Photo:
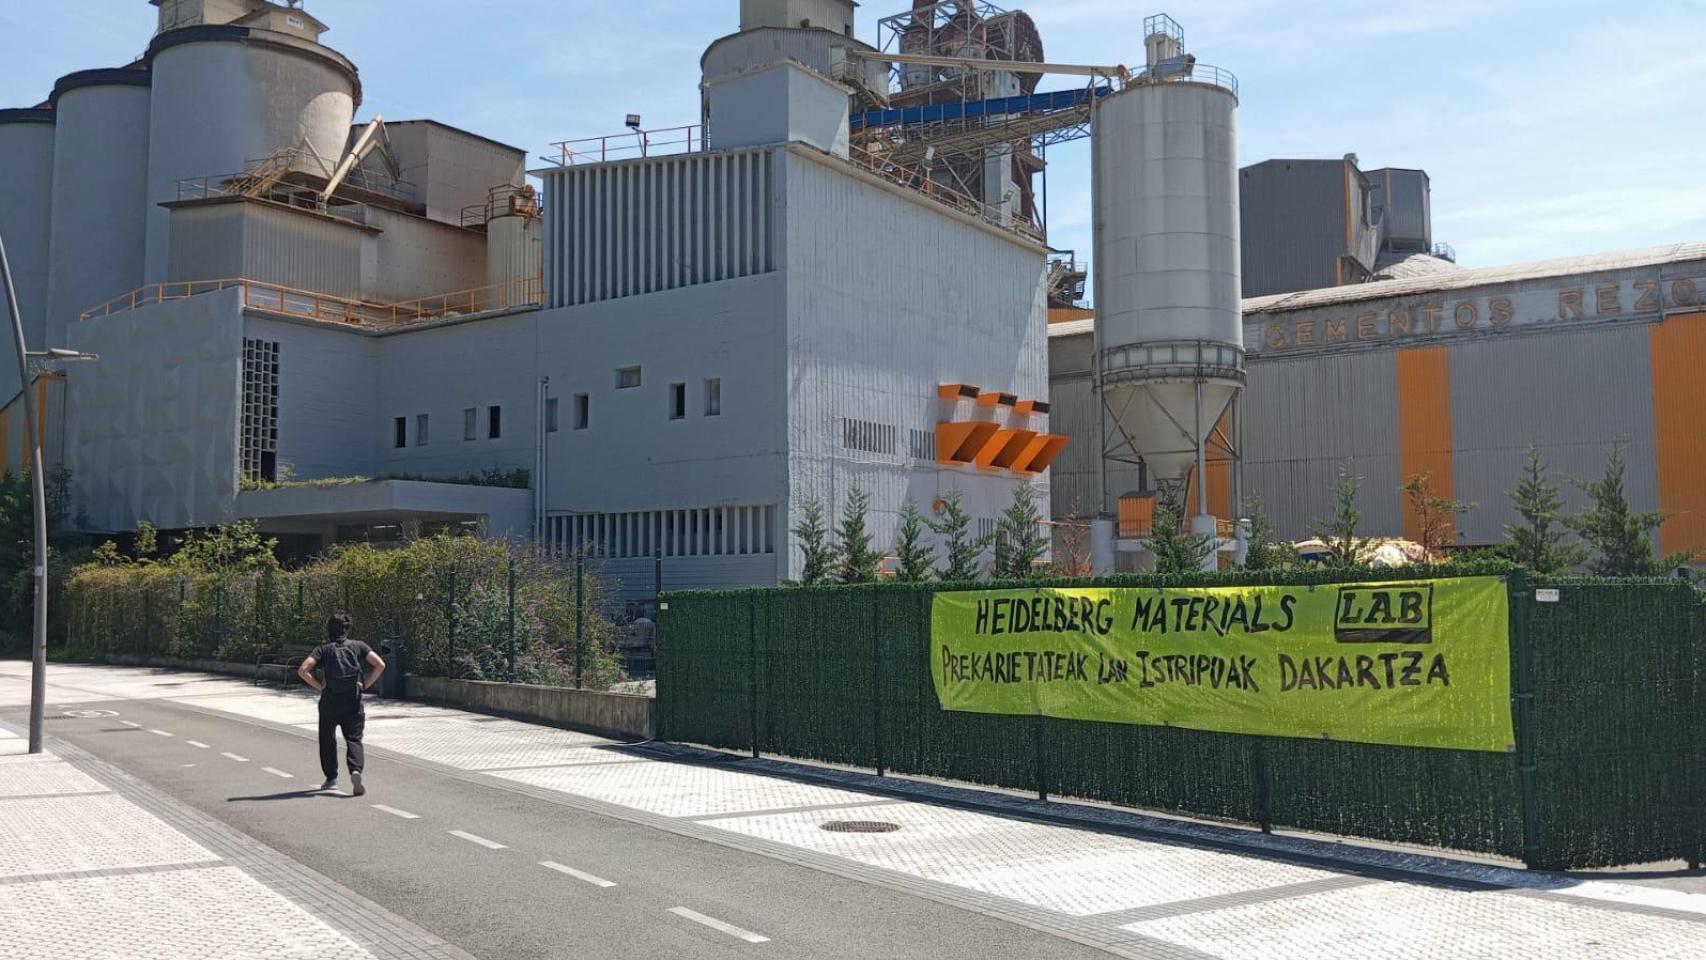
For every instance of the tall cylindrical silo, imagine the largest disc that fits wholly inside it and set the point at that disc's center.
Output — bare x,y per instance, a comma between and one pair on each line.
227,97
26,192
100,191
1169,339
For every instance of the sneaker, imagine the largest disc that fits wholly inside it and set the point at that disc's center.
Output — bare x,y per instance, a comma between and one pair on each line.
330,784
355,783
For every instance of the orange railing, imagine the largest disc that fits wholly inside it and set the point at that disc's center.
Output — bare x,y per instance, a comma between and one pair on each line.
291,302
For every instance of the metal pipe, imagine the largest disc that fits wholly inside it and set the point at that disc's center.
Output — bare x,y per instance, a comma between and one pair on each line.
1202,459
38,487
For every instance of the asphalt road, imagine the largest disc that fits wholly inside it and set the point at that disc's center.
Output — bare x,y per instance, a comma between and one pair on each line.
666,893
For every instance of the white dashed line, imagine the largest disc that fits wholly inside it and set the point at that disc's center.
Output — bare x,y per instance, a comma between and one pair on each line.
131,724
393,811
578,875
482,841
233,756
198,744
158,733
279,773
716,924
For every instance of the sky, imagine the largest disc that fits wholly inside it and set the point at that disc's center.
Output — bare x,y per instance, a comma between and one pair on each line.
1549,128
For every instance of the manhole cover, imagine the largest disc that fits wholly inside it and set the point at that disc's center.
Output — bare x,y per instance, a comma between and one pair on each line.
861,826
90,714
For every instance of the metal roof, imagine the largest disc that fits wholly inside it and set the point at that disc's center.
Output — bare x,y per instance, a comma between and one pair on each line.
1477,277
1412,266
1437,278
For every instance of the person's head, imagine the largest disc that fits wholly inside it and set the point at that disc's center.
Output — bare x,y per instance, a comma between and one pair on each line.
337,626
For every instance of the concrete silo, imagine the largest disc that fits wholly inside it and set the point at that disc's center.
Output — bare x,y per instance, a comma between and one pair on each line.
1169,347
100,191
226,98
26,193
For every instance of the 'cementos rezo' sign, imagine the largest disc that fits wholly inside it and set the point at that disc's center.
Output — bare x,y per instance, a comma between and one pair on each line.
1560,301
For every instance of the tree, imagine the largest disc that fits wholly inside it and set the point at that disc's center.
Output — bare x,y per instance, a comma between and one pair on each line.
1538,541
1019,542
1072,550
1436,516
915,556
1622,539
964,550
1339,532
1263,551
859,563
813,535
1176,548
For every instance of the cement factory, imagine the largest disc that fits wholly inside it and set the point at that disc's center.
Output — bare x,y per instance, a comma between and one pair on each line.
839,276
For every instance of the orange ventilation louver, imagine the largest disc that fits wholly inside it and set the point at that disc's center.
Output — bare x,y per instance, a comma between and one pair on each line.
955,392
997,399
1137,516
1039,453
959,442
1029,407
1003,448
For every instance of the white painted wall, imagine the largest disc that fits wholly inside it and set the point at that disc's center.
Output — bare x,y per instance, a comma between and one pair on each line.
328,392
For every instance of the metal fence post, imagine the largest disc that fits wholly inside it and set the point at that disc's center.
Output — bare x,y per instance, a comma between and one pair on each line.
877,677
512,618
450,627
752,665
657,582
1523,695
1040,762
218,616
1264,785
580,620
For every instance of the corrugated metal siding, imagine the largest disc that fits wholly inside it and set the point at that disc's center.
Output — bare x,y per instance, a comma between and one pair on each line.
263,241
1679,396
1424,425
421,258
625,229
1307,416
1292,222
1574,392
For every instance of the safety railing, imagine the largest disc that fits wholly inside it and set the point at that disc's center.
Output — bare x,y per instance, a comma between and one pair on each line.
923,182
307,304
628,146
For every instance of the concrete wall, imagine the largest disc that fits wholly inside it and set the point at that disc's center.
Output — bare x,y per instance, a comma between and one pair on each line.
875,327
328,396
415,258
621,715
152,432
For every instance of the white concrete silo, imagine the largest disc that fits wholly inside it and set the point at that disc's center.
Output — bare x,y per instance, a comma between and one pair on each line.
1169,345
227,97
100,191
26,192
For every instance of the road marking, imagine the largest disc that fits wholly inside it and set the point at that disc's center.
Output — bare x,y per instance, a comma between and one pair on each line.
233,756
578,875
393,811
716,924
158,733
279,773
131,724
482,841
198,744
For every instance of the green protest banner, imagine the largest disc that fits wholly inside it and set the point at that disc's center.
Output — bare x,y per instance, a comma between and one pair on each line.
1423,663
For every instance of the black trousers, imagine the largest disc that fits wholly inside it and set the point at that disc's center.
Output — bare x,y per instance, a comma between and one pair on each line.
347,713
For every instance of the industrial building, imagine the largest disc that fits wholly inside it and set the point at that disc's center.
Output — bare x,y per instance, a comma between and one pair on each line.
680,342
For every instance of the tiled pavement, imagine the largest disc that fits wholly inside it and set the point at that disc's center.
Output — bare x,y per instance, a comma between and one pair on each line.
92,870
1138,885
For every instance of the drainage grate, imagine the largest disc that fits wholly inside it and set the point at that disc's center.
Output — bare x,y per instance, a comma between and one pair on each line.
860,826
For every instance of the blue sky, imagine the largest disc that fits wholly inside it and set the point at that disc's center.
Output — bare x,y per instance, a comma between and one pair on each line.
1549,128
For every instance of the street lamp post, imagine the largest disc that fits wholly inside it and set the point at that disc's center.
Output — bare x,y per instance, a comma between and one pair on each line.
38,480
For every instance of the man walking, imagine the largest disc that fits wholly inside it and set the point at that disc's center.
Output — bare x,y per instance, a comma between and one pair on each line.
340,696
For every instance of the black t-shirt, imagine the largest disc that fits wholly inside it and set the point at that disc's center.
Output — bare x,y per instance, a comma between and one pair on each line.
344,663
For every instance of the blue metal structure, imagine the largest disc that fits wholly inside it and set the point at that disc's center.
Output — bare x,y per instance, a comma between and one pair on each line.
1029,105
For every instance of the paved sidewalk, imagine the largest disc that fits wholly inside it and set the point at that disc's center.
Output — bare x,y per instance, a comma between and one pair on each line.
90,868
1135,885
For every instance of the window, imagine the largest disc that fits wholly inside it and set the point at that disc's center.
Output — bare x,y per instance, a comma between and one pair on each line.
582,409
420,429
494,422
550,414
627,378
677,401
470,423
713,398
401,425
